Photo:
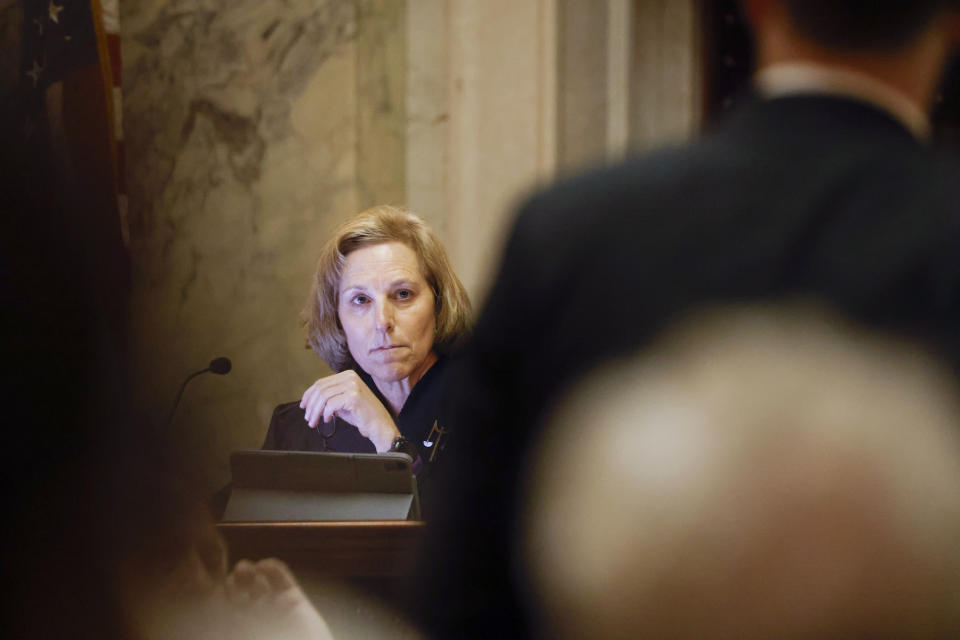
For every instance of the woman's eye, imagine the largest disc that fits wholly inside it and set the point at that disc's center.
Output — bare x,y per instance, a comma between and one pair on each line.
404,294
360,299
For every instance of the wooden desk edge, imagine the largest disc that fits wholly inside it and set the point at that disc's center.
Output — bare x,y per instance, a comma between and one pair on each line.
399,525
359,548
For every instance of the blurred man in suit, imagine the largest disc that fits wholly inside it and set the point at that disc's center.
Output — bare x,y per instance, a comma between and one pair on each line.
821,185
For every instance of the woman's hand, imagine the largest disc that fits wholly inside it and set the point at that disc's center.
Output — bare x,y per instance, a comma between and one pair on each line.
344,395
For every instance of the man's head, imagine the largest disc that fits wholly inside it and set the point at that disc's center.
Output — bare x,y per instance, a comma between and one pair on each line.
863,24
903,44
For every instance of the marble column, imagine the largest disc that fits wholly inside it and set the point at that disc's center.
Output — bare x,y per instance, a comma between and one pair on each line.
482,119
504,96
665,76
629,78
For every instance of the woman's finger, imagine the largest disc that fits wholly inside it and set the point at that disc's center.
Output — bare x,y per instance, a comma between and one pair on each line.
342,394
315,397
306,401
307,394
314,406
348,377
334,405
328,396
321,404
313,390
310,409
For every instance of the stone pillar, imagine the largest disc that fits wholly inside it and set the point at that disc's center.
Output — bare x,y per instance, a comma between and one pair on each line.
492,67
665,77
628,78
503,95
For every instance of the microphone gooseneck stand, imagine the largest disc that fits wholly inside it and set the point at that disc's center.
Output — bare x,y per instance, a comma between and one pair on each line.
220,366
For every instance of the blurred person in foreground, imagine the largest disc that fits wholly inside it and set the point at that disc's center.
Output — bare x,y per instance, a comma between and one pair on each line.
101,532
255,600
821,185
386,312
757,474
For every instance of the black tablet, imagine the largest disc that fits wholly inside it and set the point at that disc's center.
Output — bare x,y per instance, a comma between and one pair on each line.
301,486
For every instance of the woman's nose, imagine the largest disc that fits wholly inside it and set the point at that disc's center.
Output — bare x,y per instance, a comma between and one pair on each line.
384,316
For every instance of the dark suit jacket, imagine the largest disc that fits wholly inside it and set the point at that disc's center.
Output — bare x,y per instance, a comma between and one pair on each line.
810,195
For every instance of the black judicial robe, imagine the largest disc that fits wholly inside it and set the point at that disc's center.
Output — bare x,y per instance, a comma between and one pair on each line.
816,196
289,431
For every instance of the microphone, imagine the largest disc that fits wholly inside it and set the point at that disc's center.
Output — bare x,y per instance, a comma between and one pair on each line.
220,366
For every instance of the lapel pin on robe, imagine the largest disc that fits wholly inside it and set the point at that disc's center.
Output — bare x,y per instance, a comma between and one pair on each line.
433,439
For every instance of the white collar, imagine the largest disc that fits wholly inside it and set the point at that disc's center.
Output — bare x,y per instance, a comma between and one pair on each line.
802,77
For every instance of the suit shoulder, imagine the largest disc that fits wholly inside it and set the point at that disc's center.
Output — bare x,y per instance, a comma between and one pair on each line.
619,197
620,182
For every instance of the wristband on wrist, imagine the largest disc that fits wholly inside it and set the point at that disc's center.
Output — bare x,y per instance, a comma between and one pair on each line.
402,445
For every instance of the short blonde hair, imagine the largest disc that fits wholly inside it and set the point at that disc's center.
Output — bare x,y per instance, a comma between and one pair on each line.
377,225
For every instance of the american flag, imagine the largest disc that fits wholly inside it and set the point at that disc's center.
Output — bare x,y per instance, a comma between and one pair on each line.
70,105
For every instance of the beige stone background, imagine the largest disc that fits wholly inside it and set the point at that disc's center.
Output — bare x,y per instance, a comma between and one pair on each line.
253,127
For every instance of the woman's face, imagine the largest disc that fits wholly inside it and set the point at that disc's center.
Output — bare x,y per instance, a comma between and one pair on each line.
386,309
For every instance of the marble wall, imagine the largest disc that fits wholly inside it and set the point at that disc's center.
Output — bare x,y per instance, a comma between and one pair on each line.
253,127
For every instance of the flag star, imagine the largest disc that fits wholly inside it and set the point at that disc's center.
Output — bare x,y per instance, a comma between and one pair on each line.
35,73
54,11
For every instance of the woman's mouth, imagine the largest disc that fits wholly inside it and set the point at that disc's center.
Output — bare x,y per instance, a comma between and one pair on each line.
388,347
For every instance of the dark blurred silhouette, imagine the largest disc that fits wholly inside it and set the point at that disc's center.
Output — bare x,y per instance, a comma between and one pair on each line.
101,531
758,473
89,492
820,185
